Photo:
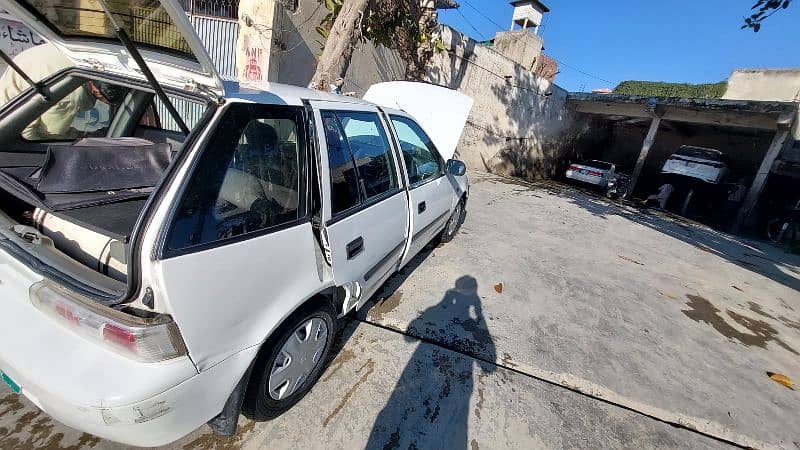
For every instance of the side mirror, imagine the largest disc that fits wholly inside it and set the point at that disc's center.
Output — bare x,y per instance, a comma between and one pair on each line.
456,167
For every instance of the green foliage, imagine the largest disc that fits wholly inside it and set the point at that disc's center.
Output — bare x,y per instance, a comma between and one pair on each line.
762,10
396,24
661,89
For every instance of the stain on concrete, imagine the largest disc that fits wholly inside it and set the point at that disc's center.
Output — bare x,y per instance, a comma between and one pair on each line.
669,296
217,442
789,323
479,403
473,444
625,258
370,366
385,306
35,429
701,310
341,359
756,308
12,404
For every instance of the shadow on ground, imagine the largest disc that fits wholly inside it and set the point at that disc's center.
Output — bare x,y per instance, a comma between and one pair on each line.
760,257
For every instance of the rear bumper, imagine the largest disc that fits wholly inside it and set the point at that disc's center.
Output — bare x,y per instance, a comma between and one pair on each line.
93,389
158,420
577,176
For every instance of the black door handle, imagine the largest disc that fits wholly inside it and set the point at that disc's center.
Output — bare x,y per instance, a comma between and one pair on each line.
355,247
421,207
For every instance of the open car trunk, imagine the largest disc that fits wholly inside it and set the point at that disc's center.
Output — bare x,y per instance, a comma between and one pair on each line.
90,194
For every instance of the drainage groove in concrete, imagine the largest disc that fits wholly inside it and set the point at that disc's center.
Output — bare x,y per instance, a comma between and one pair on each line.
596,392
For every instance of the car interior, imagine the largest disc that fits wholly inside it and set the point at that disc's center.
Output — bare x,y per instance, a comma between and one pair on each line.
84,183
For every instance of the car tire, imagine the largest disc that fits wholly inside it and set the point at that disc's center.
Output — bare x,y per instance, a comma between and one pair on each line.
454,223
296,342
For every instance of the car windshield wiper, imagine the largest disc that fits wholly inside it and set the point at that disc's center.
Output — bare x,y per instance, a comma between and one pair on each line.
131,47
37,86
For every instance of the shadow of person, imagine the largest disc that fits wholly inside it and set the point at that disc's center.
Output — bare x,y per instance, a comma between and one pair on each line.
430,404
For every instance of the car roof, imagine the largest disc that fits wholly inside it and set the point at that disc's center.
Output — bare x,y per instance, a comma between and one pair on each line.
705,149
282,94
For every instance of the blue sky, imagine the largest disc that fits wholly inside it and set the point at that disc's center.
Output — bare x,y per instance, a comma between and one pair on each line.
678,40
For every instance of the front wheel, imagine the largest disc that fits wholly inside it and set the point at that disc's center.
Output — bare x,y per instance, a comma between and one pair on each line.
454,224
777,229
293,360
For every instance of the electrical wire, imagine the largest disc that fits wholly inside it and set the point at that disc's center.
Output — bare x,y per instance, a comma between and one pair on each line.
458,10
501,28
484,15
584,72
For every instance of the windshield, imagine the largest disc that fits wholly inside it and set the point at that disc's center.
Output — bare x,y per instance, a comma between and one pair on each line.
145,21
599,164
699,152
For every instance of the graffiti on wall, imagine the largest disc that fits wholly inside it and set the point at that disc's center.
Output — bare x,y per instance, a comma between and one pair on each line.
16,37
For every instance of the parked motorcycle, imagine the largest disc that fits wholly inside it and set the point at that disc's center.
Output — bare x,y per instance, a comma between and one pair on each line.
618,186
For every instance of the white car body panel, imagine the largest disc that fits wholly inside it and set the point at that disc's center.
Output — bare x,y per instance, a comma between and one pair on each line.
579,175
231,297
112,57
695,168
383,227
440,111
225,300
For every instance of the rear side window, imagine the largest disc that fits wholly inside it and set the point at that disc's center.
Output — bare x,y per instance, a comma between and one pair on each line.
247,179
599,164
359,157
87,111
422,160
701,153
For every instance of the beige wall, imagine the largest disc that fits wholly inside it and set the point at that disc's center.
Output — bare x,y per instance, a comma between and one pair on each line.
781,85
519,123
522,46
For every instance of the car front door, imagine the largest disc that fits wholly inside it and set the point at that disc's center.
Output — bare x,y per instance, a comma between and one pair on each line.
365,212
431,193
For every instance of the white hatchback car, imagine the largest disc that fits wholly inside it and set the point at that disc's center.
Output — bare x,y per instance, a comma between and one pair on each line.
596,173
706,164
169,269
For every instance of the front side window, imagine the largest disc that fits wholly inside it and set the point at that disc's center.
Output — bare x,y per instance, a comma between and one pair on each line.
85,112
359,157
420,155
247,180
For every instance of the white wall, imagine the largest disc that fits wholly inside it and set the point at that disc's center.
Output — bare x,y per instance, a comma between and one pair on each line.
779,85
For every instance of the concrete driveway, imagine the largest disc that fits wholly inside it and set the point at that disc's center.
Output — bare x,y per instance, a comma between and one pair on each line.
555,319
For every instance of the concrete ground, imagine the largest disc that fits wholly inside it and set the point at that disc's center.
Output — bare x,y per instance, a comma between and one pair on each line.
555,319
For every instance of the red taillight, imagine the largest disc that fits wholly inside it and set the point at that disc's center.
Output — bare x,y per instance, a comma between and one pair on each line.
148,341
119,336
574,167
67,314
595,173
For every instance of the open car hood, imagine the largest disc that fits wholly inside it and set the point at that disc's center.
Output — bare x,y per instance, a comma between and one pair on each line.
442,112
160,30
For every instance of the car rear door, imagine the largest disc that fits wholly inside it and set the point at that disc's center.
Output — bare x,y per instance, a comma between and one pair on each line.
365,211
432,194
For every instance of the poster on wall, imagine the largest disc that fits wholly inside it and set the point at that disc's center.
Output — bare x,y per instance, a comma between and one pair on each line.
254,44
15,37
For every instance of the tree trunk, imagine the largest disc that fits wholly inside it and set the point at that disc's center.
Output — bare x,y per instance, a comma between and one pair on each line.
342,38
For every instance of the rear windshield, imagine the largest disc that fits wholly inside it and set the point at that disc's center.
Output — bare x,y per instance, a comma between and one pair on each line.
599,164
699,152
145,21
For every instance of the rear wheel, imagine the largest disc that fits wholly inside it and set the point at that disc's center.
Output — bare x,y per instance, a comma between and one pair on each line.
293,360
778,228
454,224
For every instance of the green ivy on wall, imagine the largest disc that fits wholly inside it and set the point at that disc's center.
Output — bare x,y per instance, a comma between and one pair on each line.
662,89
